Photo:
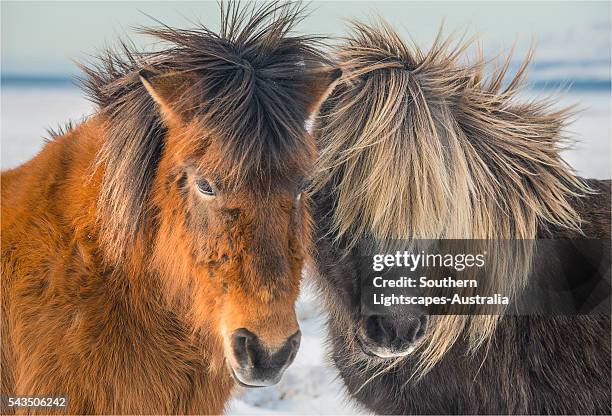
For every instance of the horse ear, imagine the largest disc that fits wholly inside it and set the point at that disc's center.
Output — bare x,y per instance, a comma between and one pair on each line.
165,89
321,87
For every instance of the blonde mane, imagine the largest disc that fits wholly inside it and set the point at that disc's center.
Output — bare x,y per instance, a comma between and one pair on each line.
424,145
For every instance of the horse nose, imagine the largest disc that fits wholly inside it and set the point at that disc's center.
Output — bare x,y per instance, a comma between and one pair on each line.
257,364
389,336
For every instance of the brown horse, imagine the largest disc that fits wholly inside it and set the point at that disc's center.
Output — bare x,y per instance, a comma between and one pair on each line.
154,251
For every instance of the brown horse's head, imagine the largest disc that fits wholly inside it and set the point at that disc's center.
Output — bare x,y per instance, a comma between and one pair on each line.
230,223
234,215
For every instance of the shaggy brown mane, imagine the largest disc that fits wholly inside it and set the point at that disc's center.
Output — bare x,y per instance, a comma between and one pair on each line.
251,93
422,145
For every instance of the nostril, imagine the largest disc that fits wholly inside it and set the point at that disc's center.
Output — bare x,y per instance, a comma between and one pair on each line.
387,327
286,354
243,332
251,350
379,329
414,328
245,345
241,345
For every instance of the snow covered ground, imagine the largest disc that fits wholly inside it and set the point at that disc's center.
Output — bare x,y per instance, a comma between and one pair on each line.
310,385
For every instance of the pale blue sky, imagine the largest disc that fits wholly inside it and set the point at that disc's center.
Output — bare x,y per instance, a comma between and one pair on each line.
43,37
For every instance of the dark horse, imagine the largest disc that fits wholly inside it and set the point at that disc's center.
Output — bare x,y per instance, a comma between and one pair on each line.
151,256
421,145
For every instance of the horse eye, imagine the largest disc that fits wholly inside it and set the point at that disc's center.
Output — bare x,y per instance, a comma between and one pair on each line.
205,188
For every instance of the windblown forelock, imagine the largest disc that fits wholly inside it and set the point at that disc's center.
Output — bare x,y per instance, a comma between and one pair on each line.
263,135
251,94
422,145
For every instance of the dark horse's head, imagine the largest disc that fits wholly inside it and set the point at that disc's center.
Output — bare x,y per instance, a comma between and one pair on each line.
205,160
422,145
